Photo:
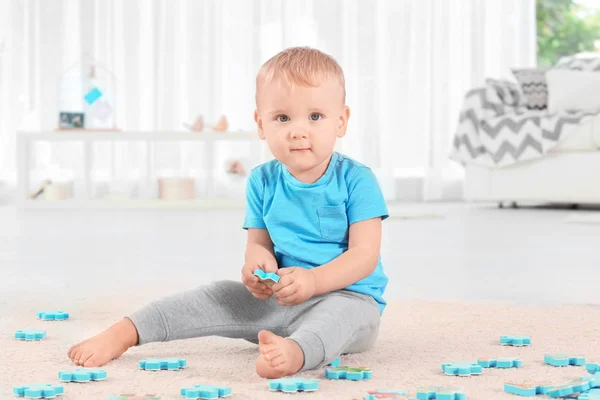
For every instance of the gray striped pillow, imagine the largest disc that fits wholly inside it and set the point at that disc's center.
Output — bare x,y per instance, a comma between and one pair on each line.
533,86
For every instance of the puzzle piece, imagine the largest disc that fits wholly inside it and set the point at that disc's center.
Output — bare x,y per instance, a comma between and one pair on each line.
592,368
593,394
53,315
500,362
30,334
461,368
130,396
92,95
206,392
348,373
39,391
156,364
291,385
82,375
510,340
527,388
386,394
563,360
268,278
440,393
569,388
335,363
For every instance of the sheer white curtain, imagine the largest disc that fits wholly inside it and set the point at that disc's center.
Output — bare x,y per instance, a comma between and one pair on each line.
407,64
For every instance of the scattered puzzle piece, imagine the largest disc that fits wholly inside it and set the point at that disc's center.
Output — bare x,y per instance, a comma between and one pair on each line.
593,394
30,334
592,368
53,315
348,373
386,394
563,360
461,368
206,392
291,385
156,364
440,393
569,388
130,396
268,278
500,362
594,379
335,363
510,340
39,391
527,388
82,375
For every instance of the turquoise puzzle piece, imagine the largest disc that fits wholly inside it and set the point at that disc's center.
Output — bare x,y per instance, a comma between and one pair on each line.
527,388
461,368
53,315
291,385
82,375
440,393
386,394
38,391
206,392
268,278
592,368
335,363
563,360
348,373
93,95
511,340
156,364
506,362
569,388
594,380
593,394
30,334
134,397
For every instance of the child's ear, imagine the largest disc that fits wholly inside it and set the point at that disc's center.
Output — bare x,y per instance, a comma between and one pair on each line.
343,122
259,125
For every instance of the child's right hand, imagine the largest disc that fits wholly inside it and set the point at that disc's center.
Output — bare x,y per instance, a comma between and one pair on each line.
251,281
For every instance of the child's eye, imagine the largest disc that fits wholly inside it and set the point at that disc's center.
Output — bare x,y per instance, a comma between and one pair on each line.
282,118
315,116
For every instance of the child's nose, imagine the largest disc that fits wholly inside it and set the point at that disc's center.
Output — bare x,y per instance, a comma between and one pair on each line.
298,134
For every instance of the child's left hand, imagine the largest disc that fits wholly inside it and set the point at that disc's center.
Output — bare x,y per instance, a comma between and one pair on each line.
296,285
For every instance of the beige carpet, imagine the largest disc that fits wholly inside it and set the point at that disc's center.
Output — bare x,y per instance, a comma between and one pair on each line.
416,337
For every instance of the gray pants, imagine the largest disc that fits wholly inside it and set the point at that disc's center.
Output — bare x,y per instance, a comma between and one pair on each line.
325,326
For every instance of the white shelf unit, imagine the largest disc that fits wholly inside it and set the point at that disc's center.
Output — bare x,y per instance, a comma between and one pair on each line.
25,140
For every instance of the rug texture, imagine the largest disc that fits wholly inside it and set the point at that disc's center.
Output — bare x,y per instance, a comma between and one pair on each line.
415,339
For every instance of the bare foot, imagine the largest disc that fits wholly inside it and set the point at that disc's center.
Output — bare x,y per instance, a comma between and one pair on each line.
108,345
278,356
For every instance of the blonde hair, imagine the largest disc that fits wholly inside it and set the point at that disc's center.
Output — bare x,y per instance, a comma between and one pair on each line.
301,66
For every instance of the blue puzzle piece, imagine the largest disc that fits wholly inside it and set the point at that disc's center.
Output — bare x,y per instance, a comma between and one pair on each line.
93,95
527,389
569,388
461,368
386,394
39,391
53,315
440,393
593,394
592,368
563,360
82,375
268,278
348,373
510,340
291,385
206,392
335,363
500,362
156,364
30,334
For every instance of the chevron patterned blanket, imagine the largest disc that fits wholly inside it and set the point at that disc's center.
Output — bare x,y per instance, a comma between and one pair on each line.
495,131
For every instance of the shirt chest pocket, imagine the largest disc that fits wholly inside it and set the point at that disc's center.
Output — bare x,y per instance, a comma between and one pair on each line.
333,222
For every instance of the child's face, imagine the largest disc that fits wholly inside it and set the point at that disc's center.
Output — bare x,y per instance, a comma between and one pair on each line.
301,123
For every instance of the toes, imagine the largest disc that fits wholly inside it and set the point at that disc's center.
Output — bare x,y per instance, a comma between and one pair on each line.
266,337
71,352
277,361
92,362
272,354
85,356
267,348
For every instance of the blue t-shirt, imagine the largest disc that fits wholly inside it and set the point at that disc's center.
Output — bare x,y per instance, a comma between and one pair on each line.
308,222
